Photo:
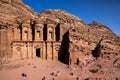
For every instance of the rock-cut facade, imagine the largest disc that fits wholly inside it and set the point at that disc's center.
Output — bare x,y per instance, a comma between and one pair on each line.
32,39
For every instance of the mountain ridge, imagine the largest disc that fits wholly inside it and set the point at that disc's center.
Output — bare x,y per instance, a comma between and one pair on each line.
93,47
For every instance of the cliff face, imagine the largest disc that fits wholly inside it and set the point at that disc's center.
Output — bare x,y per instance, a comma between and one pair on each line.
91,46
12,14
84,42
94,47
94,41
14,11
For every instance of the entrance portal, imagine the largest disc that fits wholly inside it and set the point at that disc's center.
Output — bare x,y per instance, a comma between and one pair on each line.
38,52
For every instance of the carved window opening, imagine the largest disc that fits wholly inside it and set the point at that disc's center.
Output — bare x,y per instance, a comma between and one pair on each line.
50,34
57,32
45,32
38,34
26,34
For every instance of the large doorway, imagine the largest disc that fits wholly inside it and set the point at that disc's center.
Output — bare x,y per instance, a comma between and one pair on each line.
38,52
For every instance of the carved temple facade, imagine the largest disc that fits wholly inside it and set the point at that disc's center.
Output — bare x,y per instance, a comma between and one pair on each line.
34,39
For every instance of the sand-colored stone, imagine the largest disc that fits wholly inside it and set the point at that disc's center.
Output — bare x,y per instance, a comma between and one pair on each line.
55,35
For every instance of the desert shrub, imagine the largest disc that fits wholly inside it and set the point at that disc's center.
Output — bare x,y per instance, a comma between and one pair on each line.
1,67
2,62
93,70
13,66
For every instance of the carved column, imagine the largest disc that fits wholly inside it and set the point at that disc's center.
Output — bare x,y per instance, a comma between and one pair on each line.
46,54
32,51
18,35
15,34
54,35
22,33
50,51
61,32
43,50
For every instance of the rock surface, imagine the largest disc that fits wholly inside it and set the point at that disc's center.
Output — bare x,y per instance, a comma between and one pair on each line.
93,47
14,11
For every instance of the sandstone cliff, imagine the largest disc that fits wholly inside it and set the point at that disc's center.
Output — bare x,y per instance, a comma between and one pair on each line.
14,11
84,39
86,45
12,14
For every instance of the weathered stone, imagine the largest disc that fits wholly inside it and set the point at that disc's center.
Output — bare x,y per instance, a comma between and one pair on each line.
53,35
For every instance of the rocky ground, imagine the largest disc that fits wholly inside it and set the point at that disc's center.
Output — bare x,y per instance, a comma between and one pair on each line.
37,69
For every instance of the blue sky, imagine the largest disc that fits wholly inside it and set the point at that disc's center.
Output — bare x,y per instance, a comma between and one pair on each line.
106,12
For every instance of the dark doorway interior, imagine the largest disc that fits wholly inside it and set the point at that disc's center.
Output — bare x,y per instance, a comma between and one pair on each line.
38,52
57,32
96,52
63,54
45,32
33,32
